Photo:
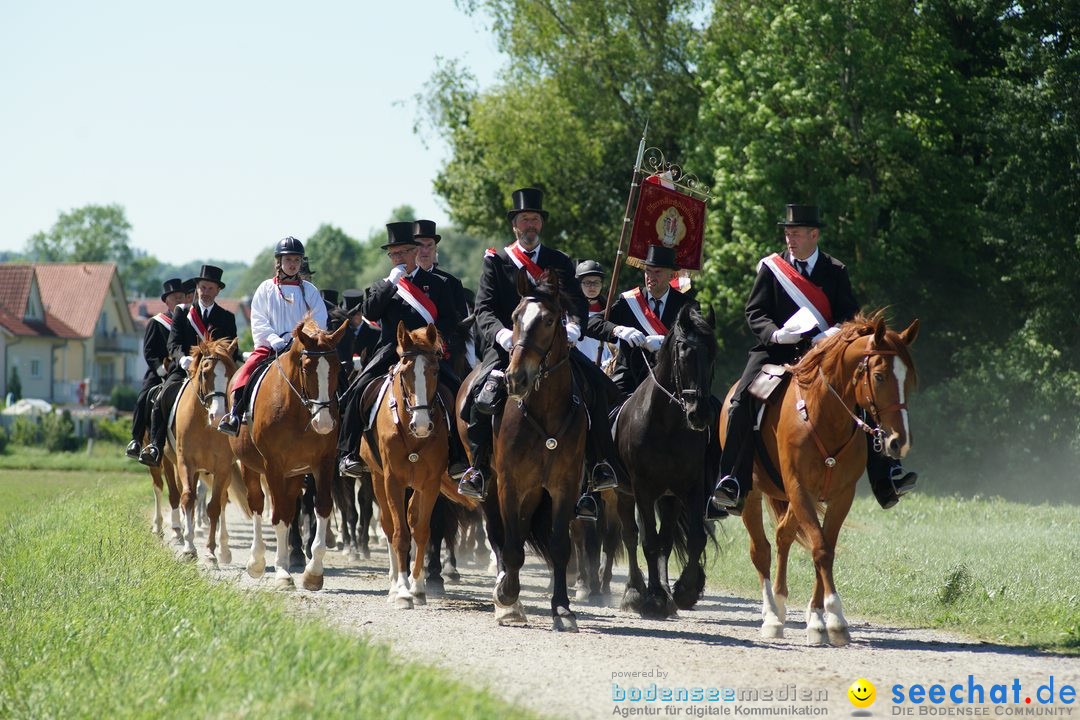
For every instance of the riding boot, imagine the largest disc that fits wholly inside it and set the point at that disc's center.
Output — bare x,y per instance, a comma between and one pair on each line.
479,435
352,429
887,477
736,460
712,465
230,423
143,407
457,460
151,454
608,471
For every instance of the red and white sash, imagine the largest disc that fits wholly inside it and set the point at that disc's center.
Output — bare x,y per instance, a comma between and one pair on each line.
196,322
522,261
805,293
416,298
680,283
164,320
648,320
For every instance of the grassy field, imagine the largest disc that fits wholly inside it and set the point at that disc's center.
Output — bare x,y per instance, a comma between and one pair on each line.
104,458
997,570
98,619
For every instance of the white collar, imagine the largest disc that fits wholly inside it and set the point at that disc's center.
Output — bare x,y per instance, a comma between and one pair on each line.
535,251
203,309
810,261
662,298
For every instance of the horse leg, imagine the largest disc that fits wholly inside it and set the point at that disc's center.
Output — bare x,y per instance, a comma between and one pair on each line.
806,513
437,526
365,514
169,471
224,553
189,480
450,537
668,513
283,503
658,604
400,540
323,505
835,514
297,557
200,506
155,477
577,541
691,583
634,595
611,539
423,501
772,623
510,549
562,511
787,528
214,511
256,564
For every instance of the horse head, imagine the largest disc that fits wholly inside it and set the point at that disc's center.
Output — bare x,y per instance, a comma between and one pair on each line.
883,380
539,335
315,354
418,375
211,367
686,361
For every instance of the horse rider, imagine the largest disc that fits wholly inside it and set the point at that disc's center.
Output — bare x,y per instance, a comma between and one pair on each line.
278,305
408,294
807,281
590,275
189,292
155,352
365,333
496,299
203,319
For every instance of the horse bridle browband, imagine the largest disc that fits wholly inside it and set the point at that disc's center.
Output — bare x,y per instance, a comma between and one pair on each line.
683,395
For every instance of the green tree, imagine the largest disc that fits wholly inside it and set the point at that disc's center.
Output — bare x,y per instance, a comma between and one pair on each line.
94,233
334,257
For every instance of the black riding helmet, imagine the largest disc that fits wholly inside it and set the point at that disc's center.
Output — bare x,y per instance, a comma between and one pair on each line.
588,267
288,246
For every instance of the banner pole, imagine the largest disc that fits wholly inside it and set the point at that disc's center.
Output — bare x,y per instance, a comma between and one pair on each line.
634,180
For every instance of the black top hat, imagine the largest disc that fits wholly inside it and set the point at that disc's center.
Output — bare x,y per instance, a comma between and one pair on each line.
351,300
330,296
588,267
425,229
188,286
399,233
801,216
305,269
662,257
170,286
528,200
211,273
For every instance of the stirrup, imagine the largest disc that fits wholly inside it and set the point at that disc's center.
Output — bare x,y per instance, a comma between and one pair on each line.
586,508
603,477
352,466
150,456
230,425
473,484
133,449
903,482
726,493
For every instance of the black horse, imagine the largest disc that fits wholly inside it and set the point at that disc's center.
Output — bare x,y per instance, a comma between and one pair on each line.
662,436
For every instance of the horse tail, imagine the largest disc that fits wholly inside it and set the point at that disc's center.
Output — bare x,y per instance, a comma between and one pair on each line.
677,514
449,490
237,488
777,509
539,537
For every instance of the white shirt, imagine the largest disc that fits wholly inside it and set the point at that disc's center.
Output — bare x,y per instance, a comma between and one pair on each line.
652,303
810,262
273,318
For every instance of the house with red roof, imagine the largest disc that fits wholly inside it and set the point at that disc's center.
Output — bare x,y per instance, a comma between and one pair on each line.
66,330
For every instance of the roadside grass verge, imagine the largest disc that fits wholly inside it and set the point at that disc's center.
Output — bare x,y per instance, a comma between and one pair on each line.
997,570
104,458
99,619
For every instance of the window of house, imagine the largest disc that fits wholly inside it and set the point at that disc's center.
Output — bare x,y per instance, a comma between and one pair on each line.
35,368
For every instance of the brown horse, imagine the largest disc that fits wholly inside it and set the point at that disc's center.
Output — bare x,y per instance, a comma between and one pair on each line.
814,439
166,470
411,429
539,444
293,431
200,448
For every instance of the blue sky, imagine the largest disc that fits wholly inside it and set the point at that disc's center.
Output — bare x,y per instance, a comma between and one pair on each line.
221,127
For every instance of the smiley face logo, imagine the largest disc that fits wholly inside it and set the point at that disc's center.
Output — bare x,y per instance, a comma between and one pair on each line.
862,693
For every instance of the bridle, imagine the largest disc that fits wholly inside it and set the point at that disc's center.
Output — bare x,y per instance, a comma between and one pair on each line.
682,396
313,406
544,370
207,399
411,410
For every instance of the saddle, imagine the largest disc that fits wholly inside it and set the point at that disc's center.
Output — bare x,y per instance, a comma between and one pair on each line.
768,386
251,389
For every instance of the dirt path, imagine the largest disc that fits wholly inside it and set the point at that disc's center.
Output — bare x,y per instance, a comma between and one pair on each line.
716,645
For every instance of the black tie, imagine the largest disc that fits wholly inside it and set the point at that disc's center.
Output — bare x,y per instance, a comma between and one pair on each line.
532,255
205,317
656,306
801,264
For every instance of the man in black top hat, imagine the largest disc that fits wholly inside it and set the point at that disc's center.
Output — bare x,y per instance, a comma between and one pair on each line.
427,257
204,319
155,352
496,299
365,333
806,281
411,295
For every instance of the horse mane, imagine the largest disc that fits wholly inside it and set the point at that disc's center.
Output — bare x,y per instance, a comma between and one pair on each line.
828,355
551,289
691,320
219,348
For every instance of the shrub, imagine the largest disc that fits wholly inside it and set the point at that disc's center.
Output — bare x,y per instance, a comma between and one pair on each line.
123,397
114,431
3,440
15,385
26,432
58,432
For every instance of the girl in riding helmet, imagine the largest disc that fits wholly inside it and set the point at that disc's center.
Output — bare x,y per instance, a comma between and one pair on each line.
277,306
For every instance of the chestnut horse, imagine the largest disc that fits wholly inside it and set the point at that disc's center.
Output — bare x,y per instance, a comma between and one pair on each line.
412,433
292,432
814,439
539,451
200,448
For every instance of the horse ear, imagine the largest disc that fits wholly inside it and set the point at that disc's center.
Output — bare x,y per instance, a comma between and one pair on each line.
555,279
522,283
431,334
912,332
335,337
300,335
231,349
403,339
879,330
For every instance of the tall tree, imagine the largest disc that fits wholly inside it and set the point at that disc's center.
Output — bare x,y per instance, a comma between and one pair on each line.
94,233
334,256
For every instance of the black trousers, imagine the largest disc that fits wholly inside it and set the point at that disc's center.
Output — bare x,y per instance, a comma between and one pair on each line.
159,421
143,407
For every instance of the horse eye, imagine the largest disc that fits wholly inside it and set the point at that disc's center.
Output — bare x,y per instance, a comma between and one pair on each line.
880,377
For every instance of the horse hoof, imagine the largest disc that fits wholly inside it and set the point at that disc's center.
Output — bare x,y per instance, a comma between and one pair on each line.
189,554
403,603
297,560
772,631
354,557
685,598
178,536
225,557
284,582
366,553
212,561
658,607
631,601
815,636
420,599
839,637
436,587
255,569
581,595
511,616
312,581
564,621
452,575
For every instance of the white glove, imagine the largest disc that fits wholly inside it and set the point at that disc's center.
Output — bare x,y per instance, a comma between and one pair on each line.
185,362
277,344
573,332
631,336
829,332
396,273
357,363
161,370
653,342
505,338
783,337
